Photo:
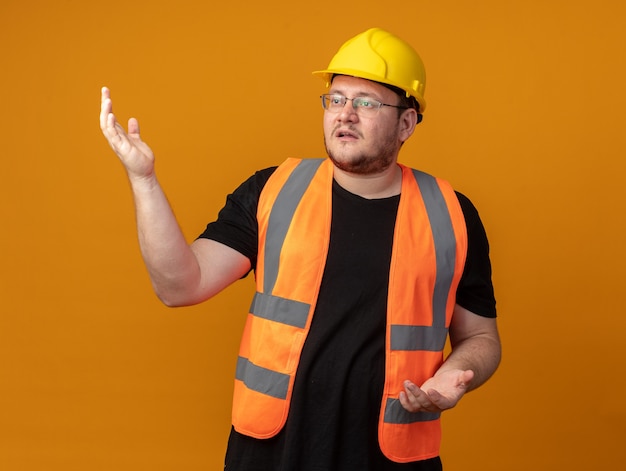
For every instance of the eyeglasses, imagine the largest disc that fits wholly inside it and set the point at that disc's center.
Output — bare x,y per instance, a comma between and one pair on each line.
363,106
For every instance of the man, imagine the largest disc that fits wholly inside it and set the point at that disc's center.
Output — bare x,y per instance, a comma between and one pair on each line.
363,267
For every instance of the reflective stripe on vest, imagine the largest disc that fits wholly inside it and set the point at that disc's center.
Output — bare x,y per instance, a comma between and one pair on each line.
427,261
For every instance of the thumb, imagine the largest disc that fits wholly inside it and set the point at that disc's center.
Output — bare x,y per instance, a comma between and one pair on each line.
465,378
133,127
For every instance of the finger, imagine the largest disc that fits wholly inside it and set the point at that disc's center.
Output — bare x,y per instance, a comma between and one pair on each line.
115,134
408,402
415,398
105,93
437,398
106,108
412,389
442,402
404,401
411,404
133,127
111,127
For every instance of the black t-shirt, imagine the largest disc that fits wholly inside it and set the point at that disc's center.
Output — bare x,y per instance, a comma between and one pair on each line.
333,417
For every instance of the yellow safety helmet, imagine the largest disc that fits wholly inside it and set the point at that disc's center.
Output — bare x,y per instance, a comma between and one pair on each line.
381,57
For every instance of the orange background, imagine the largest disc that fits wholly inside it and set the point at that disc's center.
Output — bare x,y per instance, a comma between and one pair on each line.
525,115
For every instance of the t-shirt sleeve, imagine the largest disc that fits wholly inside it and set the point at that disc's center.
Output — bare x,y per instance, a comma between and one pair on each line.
475,292
236,225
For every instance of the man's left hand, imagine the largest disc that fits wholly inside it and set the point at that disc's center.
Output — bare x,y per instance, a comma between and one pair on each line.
442,391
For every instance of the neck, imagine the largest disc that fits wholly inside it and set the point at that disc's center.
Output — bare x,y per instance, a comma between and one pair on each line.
380,185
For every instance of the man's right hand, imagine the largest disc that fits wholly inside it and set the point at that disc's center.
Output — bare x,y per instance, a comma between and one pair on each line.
135,154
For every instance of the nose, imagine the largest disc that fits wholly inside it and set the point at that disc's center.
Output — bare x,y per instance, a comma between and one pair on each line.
348,113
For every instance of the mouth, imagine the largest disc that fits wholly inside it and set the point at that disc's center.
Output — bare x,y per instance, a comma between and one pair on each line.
346,134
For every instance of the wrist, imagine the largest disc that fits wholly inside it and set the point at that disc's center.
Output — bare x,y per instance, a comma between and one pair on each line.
143,183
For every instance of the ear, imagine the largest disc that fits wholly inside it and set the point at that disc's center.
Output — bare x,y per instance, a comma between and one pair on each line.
408,120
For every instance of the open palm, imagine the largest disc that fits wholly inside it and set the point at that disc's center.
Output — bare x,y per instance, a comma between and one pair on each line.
136,155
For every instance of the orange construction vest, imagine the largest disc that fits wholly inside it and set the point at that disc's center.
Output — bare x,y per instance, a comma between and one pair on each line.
428,256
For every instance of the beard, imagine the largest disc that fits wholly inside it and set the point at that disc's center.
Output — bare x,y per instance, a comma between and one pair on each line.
367,162
361,164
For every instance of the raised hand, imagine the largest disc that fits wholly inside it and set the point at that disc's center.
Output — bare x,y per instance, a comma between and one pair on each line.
135,154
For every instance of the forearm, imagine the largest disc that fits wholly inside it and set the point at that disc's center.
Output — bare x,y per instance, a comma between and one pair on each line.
171,264
475,346
480,354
